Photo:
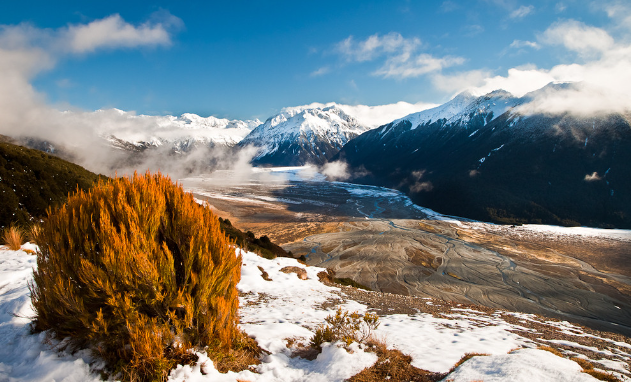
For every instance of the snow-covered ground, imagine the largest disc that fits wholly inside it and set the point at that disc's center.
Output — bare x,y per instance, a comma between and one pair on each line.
287,307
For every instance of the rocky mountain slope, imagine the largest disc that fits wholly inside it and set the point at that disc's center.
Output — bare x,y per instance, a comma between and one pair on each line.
296,137
487,158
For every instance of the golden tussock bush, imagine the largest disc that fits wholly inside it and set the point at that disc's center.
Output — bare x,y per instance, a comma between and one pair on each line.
13,237
346,327
135,270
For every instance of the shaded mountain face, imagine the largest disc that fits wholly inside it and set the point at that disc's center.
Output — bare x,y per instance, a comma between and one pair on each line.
480,158
298,137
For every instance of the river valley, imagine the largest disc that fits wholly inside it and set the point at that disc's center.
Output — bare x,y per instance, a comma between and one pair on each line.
379,238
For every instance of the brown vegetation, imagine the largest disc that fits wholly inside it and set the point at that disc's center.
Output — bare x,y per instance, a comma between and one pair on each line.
13,237
346,327
139,273
392,365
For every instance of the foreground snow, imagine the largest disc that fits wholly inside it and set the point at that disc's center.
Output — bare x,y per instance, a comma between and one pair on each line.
287,307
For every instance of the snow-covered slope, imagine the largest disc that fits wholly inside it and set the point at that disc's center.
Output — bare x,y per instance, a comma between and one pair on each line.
287,307
461,110
296,137
129,131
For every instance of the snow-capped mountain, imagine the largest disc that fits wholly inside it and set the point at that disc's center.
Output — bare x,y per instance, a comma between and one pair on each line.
296,137
139,132
497,158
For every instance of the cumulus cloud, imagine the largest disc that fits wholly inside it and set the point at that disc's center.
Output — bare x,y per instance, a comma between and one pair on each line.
114,32
578,37
402,59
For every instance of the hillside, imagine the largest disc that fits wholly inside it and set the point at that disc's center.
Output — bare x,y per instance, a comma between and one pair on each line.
482,158
31,180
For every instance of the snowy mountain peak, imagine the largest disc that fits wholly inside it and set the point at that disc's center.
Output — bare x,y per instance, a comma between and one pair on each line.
461,108
313,134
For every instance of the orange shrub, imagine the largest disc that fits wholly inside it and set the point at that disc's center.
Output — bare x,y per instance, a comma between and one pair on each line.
138,272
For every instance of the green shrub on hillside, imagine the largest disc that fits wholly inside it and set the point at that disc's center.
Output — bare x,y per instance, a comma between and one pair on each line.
139,273
31,181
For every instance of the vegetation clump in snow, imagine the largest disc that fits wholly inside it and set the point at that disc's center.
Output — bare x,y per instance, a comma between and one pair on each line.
13,237
138,272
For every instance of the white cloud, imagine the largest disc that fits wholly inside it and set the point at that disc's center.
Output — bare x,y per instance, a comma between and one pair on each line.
521,12
321,71
405,66
524,44
620,11
578,37
402,61
114,32
473,30
560,7
335,171
376,46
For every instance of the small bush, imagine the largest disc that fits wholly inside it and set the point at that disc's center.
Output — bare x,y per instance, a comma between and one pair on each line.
346,327
13,237
139,273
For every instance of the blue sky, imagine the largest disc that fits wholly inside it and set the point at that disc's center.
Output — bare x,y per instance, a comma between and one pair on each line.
241,60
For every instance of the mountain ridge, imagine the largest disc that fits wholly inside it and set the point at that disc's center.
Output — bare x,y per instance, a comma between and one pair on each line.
509,168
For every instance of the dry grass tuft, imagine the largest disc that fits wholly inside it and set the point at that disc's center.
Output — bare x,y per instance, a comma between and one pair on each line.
588,368
601,375
551,350
392,365
13,237
242,356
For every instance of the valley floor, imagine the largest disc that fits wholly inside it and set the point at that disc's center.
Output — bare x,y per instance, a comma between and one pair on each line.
380,239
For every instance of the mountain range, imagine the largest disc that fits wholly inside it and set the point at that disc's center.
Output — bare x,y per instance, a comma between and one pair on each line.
495,159
182,134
